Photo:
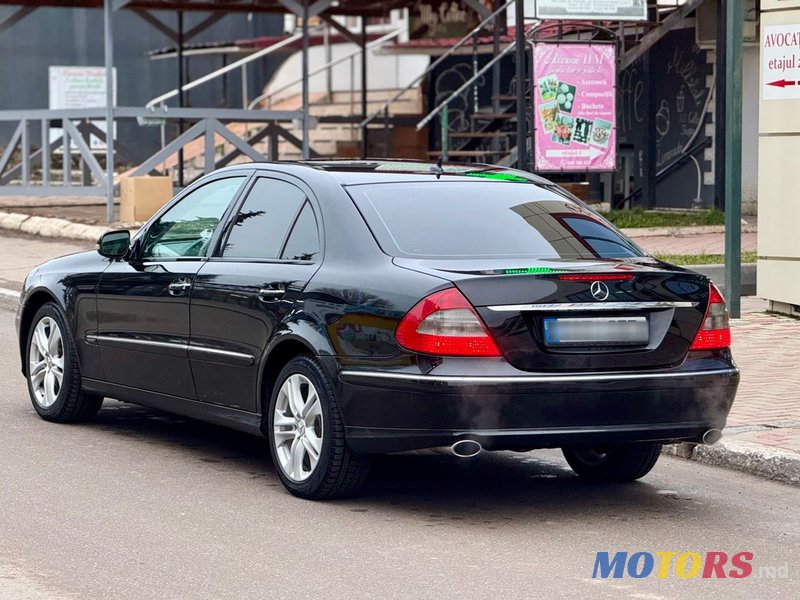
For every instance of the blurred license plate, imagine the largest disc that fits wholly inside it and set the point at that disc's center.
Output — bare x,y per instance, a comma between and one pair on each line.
606,331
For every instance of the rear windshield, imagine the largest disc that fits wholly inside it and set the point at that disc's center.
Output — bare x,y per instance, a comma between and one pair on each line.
446,219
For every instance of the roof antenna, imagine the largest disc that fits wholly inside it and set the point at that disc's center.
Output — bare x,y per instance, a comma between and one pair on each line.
437,168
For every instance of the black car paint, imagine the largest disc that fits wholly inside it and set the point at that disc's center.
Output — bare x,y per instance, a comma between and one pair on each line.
345,314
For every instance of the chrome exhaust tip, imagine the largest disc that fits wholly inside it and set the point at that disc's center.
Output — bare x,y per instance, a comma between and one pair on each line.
712,436
466,448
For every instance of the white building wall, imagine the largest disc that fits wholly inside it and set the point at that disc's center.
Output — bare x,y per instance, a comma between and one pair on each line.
383,71
750,66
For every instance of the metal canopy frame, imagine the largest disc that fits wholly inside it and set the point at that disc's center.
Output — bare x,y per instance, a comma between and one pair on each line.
353,8
305,9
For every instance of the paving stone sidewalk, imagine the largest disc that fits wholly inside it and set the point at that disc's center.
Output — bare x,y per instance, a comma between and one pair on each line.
762,436
767,349
703,243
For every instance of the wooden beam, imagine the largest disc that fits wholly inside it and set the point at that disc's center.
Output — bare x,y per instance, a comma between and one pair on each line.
158,24
479,7
203,25
353,37
673,21
297,7
15,17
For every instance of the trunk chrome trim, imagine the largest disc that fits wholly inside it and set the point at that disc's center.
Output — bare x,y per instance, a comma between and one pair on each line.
565,378
589,306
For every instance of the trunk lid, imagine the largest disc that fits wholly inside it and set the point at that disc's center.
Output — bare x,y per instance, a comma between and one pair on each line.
647,320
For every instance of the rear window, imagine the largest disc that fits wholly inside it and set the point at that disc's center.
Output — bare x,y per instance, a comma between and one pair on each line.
447,219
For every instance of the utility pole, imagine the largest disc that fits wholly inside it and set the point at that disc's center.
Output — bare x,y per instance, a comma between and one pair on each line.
305,149
181,181
734,15
108,39
521,76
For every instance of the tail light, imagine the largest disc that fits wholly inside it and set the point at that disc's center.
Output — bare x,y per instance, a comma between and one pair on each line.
715,333
446,324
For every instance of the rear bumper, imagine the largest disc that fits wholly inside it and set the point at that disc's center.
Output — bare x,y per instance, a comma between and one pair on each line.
387,411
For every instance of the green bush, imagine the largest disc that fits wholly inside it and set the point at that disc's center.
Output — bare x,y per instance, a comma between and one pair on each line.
653,218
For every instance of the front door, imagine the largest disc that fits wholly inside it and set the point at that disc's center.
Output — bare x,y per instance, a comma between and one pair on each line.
242,293
143,303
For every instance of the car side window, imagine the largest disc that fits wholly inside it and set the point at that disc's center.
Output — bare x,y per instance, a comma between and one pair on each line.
186,229
303,242
263,222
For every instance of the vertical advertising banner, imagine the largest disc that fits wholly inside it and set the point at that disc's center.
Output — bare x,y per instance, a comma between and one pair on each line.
574,100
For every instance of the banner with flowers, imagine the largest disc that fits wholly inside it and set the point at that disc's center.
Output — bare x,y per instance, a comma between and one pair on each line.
575,107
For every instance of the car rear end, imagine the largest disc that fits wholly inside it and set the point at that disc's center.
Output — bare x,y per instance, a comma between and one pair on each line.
544,327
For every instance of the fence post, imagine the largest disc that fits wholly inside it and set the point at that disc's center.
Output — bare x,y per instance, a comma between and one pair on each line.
66,156
86,174
445,133
209,152
26,152
45,153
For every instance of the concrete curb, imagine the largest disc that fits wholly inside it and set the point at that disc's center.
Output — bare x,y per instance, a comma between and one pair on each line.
50,227
62,228
637,232
755,459
9,298
716,273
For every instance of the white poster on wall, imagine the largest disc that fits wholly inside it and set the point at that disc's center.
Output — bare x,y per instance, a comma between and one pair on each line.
79,87
613,10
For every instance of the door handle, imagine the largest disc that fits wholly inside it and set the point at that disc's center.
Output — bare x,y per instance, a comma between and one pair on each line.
271,293
179,287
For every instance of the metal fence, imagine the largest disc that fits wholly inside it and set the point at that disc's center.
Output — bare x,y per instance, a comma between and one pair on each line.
44,139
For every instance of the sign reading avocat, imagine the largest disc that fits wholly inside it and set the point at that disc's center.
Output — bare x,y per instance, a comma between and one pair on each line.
780,62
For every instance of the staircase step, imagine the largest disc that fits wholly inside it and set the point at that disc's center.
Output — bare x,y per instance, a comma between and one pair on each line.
491,116
481,134
505,98
466,153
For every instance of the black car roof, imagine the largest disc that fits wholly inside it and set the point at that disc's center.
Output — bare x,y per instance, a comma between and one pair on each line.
355,171
350,172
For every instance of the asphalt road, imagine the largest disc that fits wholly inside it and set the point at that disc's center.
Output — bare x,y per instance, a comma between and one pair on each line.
143,505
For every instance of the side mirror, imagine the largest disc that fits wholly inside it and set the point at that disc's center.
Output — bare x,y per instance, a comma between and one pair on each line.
114,244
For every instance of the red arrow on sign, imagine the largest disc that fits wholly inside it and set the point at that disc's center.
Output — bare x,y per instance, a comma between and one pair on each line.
781,83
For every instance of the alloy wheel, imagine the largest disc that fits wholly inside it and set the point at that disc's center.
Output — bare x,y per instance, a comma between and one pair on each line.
46,362
298,427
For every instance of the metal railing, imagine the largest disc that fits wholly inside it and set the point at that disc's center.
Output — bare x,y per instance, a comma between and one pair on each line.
242,62
474,32
373,44
466,85
30,163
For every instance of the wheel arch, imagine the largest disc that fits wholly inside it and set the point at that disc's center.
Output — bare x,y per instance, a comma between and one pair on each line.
297,338
35,300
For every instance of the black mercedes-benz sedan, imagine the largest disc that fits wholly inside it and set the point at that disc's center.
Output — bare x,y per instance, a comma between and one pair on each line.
348,308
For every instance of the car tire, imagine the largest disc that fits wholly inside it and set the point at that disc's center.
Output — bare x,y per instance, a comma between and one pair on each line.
53,373
307,438
618,464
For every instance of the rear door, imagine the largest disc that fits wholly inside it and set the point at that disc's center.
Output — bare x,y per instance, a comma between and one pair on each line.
143,303
263,262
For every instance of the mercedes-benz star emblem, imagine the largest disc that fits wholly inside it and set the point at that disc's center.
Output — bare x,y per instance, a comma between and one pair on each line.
599,290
